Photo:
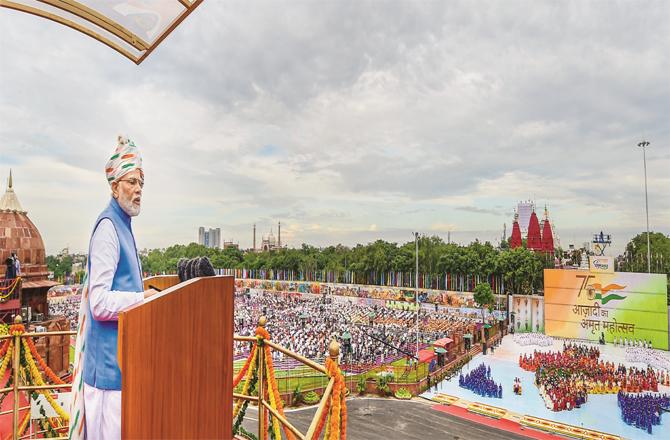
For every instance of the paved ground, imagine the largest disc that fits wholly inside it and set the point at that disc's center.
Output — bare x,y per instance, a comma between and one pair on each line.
385,419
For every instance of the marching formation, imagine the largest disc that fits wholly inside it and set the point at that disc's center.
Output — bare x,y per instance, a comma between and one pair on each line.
479,381
642,410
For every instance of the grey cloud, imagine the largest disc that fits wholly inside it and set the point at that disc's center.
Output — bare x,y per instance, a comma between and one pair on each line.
480,210
391,105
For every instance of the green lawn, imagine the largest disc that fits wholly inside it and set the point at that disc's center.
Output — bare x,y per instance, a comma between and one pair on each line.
306,378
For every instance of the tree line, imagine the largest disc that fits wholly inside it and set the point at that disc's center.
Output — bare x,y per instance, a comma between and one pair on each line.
520,268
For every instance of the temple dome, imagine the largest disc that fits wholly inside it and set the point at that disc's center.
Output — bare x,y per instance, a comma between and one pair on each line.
19,235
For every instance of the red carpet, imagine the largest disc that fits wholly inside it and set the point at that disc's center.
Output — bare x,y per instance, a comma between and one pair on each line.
502,424
6,421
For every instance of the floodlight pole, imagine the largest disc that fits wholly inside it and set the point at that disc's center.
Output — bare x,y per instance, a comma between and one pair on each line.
645,144
416,291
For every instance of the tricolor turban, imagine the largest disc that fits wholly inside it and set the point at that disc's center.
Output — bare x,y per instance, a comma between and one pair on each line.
125,159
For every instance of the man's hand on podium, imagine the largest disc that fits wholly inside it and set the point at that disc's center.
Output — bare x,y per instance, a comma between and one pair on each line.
149,292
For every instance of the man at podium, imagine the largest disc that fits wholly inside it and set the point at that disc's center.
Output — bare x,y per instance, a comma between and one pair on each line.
115,283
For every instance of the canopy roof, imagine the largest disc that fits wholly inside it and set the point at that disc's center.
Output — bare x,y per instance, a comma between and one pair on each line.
131,27
442,342
426,355
440,350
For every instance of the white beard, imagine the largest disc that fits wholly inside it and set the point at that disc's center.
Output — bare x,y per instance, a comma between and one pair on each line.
129,208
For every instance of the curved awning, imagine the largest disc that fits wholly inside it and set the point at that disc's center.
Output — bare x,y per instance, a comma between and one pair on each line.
443,342
426,355
131,27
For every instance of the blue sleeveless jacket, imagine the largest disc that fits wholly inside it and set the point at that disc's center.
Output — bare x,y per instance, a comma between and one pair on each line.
101,366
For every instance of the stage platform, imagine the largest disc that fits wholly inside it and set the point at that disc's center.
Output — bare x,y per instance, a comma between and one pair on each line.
600,413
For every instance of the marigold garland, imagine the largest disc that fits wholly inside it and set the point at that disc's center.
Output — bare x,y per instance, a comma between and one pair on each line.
326,435
338,412
243,371
17,329
237,427
273,400
14,283
274,394
267,423
322,421
29,370
245,389
37,379
333,418
48,371
278,405
3,349
5,361
10,289
334,431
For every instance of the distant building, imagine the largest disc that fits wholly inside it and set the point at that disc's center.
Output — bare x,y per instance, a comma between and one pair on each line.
21,237
230,244
210,238
539,238
269,242
515,239
525,211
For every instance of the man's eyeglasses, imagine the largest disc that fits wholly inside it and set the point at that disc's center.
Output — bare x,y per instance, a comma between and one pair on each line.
134,182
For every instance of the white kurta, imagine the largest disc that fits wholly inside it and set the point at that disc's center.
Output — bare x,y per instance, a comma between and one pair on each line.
103,407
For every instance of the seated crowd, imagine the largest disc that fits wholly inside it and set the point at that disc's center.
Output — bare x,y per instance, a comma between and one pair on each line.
67,306
306,326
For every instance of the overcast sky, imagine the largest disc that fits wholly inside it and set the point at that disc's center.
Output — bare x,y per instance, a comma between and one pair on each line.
348,121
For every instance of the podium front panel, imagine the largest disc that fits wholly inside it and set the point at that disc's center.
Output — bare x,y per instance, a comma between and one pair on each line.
176,358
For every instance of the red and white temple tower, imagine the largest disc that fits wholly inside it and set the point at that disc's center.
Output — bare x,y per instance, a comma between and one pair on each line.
547,234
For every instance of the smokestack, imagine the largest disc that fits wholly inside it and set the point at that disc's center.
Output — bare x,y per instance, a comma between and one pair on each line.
279,236
254,237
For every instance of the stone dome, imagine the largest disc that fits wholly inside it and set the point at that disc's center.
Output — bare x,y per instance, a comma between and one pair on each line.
20,236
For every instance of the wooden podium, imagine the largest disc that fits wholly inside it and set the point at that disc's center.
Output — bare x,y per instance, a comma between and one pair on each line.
176,359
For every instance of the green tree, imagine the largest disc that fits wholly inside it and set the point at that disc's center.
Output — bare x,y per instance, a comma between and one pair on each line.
634,259
483,296
60,265
521,269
